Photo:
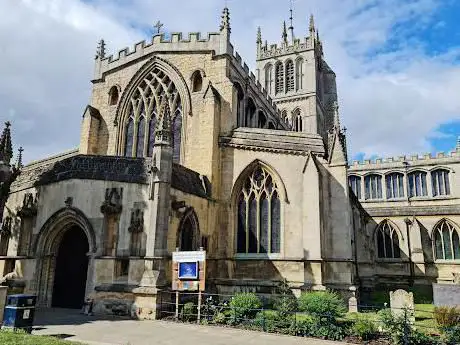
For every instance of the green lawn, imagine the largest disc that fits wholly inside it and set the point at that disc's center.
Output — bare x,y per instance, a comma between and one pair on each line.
12,338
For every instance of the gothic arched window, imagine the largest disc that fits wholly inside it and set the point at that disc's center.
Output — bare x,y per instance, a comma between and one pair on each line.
395,185
299,74
440,182
176,135
143,106
387,241
446,241
290,79
113,95
259,214
268,78
197,81
284,116
297,120
188,237
279,87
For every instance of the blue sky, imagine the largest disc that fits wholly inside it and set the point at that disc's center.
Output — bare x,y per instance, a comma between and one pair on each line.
397,62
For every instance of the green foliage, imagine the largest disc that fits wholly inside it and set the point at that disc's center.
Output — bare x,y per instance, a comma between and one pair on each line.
322,304
219,319
447,316
402,331
189,312
244,306
365,329
451,335
271,322
285,303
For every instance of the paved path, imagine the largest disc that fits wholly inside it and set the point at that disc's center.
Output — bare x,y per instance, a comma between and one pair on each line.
116,331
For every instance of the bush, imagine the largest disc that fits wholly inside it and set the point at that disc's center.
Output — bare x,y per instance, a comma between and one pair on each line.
219,318
285,303
365,329
322,304
400,329
447,316
244,306
189,312
451,335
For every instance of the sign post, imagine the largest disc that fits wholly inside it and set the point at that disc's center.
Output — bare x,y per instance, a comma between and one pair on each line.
189,274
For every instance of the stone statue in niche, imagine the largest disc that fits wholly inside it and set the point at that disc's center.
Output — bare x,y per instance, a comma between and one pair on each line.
136,229
111,208
26,212
29,206
5,233
113,201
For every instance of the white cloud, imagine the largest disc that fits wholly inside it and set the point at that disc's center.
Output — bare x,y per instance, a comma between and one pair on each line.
392,101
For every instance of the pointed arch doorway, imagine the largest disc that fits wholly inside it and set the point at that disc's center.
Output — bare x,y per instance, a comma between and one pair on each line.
71,270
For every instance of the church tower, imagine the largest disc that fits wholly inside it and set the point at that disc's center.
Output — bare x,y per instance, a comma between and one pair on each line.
298,79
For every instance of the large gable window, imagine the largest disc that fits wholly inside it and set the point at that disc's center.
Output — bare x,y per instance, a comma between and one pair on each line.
446,241
139,134
440,182
417,184
259,214
387,241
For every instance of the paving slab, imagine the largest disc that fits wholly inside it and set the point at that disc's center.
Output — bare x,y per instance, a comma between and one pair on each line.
71,325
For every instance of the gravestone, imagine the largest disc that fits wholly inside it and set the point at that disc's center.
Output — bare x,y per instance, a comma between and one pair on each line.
353,305
401,300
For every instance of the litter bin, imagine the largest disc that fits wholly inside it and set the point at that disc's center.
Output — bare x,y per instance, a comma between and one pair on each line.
19,312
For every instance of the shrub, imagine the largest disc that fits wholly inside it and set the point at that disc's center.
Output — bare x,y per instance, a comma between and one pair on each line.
447,316
285,303
451,335
365,329
188,312
244,306
322,304
219,318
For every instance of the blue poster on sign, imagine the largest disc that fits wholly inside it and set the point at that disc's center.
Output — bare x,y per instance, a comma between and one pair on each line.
188,270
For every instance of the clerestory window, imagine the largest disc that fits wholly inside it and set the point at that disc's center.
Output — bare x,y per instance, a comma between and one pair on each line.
395,185
373,187
417,184
440,182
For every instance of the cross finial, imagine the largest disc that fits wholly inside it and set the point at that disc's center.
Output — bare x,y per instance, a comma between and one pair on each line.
259,36
158,26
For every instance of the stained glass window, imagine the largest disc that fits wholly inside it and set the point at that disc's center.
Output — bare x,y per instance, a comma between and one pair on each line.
387,241
129,138
140,137
446,241
260,231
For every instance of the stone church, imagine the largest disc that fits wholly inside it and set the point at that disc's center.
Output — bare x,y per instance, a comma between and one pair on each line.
182,146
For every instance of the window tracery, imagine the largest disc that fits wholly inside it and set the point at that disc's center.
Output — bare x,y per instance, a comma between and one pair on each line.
440,182
446,241
297,120
373,187
387,241
395,185
139,134
417,184
299,74
259,214
355,184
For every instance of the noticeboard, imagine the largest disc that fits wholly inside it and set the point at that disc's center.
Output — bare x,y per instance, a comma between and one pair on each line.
188,271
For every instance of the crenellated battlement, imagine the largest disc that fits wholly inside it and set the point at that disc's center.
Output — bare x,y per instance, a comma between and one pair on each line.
176,42
413,160
299,45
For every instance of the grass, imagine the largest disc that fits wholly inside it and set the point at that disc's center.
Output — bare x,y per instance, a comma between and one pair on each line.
21,338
